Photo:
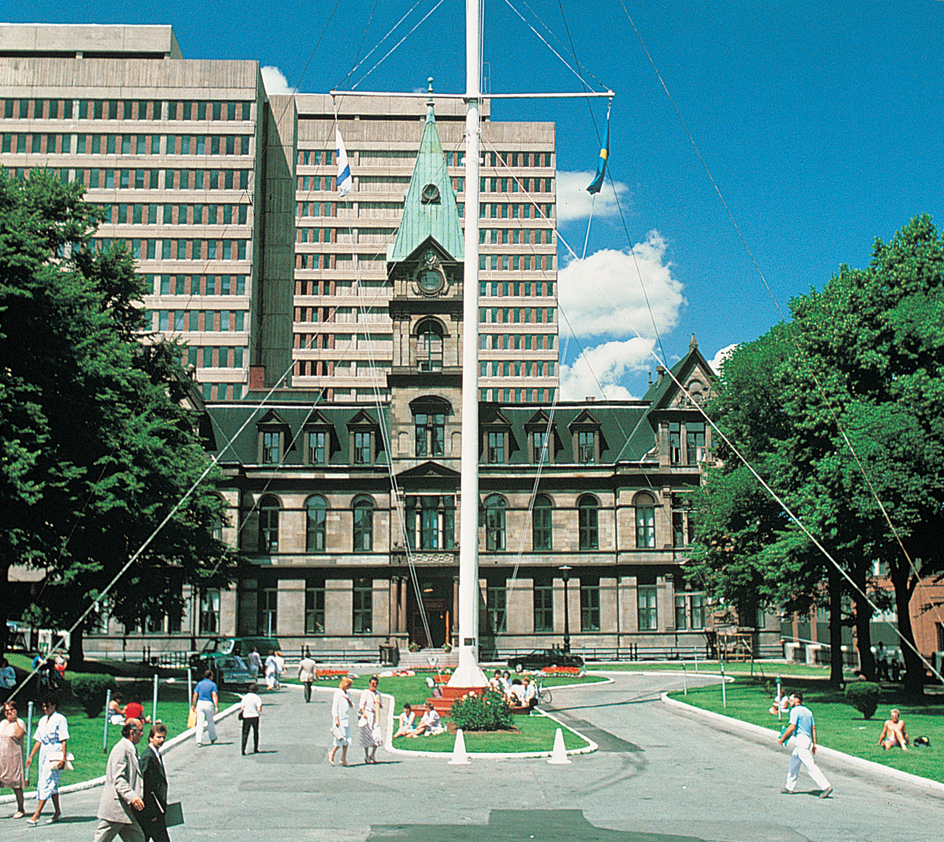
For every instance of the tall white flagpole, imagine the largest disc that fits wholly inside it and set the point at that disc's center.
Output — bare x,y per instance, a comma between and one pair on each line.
468,673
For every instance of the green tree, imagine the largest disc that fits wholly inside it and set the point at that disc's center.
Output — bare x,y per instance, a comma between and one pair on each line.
98,442
849,433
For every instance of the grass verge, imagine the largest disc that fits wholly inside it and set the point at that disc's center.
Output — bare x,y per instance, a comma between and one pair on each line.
838,725
537,734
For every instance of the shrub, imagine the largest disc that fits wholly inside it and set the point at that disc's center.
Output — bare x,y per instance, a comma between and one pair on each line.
90,691
485,711
863,696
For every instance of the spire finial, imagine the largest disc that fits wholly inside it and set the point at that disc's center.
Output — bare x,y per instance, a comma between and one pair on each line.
693,344
430,116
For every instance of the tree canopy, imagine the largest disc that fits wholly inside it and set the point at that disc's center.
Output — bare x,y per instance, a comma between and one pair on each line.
98,445
841,412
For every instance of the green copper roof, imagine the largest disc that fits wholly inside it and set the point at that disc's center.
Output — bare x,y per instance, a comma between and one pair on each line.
430,208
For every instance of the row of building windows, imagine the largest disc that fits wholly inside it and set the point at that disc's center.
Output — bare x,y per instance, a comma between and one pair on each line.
315,157
517,262
38,143
207,356
189,249
517,341
516,236
515,210
194,321
108,179
429,520
689,609
517,368
517,315
517,395
515,185
191,285
307,183
125,109
315,209
222,391
197,214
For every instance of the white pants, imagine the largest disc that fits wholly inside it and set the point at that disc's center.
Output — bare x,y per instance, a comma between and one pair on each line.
205,717
802,754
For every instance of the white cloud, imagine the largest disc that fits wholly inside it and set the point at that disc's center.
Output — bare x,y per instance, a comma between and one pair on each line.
574,202
716,361
602,368
601,295
275,81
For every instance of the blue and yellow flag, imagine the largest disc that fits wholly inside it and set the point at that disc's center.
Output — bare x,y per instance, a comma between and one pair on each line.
597,183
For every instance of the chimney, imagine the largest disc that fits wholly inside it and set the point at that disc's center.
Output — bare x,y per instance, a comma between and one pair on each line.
256,377
660,371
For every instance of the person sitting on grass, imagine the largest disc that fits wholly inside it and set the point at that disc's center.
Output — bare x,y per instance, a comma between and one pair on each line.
894,733
116,713
430,723
407,718
781,703
516,694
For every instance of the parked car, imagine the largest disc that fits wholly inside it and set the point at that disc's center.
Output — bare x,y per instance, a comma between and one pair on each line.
238,646
229,671
541,658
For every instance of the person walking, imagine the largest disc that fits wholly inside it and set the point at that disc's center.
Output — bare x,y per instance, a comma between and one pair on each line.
341,705
803,730
307,670
250,711
369,719
206,703
12,732
122,797
153,816
255,663
51,739
271,667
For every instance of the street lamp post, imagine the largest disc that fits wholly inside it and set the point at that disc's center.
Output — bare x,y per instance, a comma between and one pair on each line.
565,572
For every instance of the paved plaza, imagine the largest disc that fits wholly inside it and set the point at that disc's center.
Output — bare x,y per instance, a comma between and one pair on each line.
660,775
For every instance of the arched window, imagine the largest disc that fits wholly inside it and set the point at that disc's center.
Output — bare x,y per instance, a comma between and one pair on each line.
541,534
645,521
494,523
269,525
363,525
429,346
588,522
316,526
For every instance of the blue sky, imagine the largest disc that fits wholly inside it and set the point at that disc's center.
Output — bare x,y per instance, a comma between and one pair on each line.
822,125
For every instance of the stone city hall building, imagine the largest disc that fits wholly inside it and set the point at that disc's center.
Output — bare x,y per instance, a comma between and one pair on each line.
343,481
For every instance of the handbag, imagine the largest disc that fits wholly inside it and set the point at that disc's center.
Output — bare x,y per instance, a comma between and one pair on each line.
192,719
54,758
239,715
362,720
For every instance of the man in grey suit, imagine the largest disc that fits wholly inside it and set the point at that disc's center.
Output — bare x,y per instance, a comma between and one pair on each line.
152,817
121,798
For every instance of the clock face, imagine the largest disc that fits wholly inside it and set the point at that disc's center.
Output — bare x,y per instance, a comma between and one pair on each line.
430,195
430,280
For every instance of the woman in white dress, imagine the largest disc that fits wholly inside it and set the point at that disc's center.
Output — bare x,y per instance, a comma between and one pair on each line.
52,735
369,720
341,705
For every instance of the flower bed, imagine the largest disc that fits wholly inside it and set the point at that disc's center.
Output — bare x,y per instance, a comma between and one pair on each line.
327,675
561,671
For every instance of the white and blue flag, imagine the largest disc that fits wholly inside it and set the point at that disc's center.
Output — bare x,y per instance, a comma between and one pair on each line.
345,182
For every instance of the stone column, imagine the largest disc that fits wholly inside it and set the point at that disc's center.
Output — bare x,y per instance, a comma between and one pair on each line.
339,607
291,607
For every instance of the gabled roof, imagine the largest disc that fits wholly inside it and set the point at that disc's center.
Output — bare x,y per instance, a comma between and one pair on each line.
428,470
430,208
664,390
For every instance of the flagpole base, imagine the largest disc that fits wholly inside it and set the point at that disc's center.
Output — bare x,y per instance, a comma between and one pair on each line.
468,673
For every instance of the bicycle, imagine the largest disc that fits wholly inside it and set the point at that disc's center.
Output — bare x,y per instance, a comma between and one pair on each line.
543,693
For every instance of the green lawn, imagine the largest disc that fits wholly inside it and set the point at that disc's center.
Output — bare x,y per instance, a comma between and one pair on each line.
764,669
838,725
86,736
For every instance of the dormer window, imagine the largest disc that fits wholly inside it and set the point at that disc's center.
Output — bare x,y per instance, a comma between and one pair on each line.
542,438
587,438
273,439
317,446
495,447
586,447
364,440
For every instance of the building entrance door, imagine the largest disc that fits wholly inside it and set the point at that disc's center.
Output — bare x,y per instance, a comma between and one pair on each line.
437,603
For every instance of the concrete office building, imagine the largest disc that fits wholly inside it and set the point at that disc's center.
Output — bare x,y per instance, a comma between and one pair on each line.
229,200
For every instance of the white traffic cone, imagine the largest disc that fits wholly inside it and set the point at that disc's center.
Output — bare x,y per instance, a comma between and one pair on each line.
460,756
559,754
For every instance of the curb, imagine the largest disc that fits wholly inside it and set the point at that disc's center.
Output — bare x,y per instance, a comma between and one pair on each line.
831,753
94,782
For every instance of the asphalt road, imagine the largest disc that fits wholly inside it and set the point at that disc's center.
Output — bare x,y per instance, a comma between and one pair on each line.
660,776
